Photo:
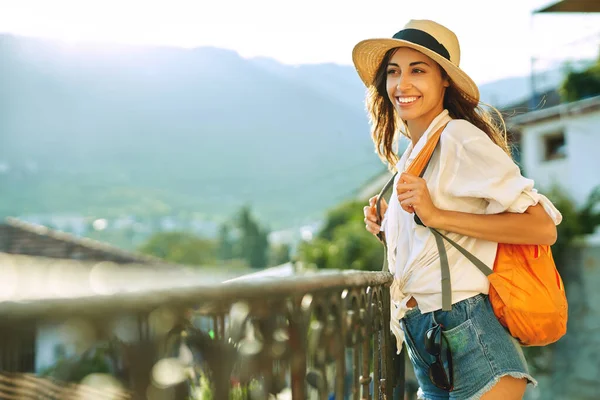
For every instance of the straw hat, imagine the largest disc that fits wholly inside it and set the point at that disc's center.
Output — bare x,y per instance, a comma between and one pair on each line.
430,38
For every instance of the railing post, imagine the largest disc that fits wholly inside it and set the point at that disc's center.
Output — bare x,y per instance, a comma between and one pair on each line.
298,327
389,346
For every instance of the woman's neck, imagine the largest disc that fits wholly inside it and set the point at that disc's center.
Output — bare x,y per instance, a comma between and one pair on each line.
417,127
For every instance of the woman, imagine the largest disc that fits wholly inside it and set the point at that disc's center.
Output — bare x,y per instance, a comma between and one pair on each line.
471,190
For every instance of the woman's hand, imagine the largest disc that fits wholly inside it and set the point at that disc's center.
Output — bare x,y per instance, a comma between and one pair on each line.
370,212
414,196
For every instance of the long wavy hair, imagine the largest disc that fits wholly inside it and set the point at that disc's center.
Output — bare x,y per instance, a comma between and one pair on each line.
385,123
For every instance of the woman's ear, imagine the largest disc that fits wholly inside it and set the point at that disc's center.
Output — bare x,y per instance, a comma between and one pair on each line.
446,82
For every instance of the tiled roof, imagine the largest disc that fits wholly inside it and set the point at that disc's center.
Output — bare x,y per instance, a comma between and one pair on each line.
18,237
583,106
543,100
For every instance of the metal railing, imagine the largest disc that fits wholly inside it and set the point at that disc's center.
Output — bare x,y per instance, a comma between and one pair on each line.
312,335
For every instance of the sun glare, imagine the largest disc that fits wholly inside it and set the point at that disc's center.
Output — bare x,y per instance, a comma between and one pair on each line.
131,21
313,31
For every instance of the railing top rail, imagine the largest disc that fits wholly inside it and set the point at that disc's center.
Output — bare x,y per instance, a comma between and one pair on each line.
139,288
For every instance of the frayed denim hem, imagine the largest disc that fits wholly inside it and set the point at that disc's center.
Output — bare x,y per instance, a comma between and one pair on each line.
489,385
496,379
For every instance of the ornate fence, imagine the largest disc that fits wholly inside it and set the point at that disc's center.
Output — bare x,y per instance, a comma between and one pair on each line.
319,335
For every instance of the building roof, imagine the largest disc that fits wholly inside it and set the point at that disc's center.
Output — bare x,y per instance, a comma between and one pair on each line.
543,100
579,107
19,237
567,6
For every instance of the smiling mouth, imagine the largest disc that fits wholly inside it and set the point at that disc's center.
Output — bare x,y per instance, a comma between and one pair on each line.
406,100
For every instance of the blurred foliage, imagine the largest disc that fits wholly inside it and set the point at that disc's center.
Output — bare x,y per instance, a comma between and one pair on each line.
577,221
242,241
181,248
74,369
225,248
252,244
343,242
581,84
204,390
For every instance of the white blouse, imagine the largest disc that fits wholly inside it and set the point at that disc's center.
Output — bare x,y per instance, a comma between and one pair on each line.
467,173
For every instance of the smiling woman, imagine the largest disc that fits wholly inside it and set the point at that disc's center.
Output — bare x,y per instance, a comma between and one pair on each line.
471,189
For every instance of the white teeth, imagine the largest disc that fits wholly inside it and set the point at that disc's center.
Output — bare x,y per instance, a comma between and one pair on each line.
406,100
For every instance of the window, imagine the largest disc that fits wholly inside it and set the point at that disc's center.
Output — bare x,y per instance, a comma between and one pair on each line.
17,348
555,147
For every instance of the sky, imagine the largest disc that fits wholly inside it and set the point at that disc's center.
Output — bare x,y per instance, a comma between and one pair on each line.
498,38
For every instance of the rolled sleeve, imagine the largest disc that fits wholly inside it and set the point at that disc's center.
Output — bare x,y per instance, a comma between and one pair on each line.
485,171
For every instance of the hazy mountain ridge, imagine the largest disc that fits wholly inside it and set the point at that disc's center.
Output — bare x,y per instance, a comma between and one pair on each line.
202,125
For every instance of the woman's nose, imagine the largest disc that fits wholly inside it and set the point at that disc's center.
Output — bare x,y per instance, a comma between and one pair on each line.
403,83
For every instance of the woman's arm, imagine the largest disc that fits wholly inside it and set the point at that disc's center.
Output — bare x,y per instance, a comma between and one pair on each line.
534,226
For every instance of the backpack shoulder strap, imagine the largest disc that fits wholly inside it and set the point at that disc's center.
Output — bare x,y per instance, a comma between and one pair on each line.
487,271
386,188
381,234
446,285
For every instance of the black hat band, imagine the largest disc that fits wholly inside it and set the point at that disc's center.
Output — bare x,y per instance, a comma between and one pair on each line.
424,39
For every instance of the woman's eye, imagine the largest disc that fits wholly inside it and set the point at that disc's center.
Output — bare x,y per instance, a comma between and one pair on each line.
418,71
391,71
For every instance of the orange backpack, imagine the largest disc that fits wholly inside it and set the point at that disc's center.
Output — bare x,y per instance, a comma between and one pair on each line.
526,291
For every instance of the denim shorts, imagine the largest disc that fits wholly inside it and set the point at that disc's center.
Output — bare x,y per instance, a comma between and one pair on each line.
483,351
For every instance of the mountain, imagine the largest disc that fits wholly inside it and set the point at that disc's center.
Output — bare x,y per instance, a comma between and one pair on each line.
338,82
112,130
141,130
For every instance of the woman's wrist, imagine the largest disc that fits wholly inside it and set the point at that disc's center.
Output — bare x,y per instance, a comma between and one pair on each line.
439,220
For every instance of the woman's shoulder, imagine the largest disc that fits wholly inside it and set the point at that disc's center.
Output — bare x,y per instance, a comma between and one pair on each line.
461,131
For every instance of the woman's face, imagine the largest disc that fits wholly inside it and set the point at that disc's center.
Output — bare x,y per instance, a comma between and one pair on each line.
415,86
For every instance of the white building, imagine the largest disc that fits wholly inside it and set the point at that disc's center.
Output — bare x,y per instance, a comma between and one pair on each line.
560,146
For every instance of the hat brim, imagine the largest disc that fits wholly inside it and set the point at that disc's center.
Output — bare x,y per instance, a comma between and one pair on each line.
368,54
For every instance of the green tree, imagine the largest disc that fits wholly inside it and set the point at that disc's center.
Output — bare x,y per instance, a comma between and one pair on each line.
181,248
253,243
340,215
577,221
343,242
581,84
225,243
